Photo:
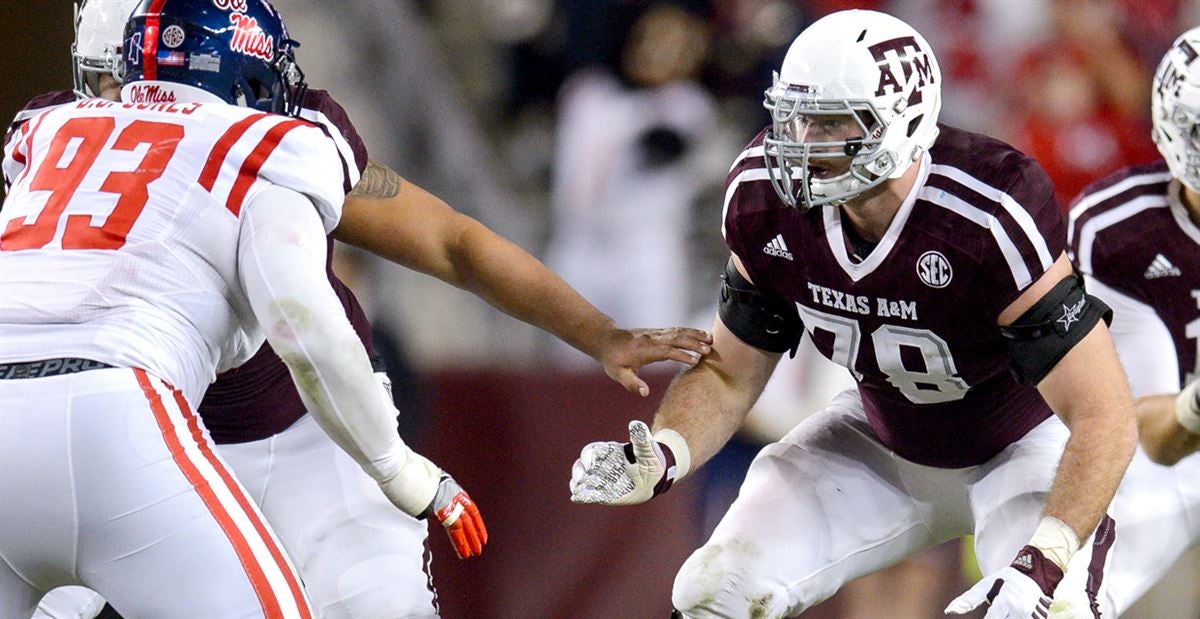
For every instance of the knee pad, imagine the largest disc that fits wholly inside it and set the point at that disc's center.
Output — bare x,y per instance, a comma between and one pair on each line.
718,581
383,586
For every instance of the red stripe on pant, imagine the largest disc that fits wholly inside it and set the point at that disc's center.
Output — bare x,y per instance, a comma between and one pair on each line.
251,513
258,579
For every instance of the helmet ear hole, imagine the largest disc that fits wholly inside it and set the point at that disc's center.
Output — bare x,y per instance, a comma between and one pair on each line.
914,124
258,90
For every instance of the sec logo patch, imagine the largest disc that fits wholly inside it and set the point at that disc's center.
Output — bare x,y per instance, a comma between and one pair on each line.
934,270
173,36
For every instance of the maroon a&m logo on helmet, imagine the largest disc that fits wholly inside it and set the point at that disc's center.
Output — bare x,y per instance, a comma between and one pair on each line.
910,58
249,38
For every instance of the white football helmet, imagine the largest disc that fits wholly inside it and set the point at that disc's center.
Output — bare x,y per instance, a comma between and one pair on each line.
856,103
99,31
1175,108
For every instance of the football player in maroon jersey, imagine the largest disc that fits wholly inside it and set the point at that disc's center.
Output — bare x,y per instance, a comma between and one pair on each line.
1135,236
929,261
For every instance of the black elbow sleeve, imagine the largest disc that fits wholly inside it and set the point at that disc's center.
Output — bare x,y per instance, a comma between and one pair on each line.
1044,334
768,323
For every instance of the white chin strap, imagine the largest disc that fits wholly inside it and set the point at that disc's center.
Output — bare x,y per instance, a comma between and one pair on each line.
845,187
838,190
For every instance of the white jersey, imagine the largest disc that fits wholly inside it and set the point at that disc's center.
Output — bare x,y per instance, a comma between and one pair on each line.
119,237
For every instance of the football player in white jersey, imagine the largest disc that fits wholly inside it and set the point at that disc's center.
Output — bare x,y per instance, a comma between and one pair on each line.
145,246
929,261
397,220
1135,236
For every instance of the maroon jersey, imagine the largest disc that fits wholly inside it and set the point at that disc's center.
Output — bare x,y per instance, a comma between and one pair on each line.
258,398
1131,232
915,321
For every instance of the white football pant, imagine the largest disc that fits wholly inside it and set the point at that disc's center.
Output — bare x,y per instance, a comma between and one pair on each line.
108,480
828,503
360,557
1157,509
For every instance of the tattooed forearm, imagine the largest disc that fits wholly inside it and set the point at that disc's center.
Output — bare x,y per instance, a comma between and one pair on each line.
378,181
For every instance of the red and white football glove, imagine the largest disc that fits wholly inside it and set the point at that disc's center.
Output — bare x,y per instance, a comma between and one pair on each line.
459,515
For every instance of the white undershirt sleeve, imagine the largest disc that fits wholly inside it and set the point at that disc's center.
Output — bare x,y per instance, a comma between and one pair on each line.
281,259
1142,340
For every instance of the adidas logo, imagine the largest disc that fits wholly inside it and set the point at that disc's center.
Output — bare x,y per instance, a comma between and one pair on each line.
1161,267
1025,561
778,248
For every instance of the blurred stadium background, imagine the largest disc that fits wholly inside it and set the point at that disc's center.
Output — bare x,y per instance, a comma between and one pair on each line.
596,134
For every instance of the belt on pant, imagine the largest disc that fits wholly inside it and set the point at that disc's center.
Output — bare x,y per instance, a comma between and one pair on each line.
49,367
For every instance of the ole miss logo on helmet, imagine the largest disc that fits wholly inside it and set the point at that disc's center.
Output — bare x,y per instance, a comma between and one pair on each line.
249,39
225,5
911,58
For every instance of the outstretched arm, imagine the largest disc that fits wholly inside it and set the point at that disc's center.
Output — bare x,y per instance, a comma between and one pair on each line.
702,408
281,261
707,403
405,224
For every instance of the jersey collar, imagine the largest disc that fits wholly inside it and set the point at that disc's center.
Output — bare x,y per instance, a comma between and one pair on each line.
1180,212
837,239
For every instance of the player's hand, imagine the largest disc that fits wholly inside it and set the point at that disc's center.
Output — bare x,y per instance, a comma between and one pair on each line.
1022,590
458,514
625,351
613,473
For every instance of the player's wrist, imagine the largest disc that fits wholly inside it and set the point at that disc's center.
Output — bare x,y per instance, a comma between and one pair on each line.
1056,540
414,485
1034,564
443,505
677,458
1187,407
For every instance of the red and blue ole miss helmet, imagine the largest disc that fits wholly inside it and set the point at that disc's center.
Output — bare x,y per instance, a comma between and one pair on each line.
238,51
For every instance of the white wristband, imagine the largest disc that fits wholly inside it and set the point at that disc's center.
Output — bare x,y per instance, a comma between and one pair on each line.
679,447
1186,409
1057,541
414,484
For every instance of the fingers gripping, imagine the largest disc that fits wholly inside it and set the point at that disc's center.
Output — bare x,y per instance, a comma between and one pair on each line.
455,510
1007,594
629,350
600,474
468,533
619,474
629,379
973,598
